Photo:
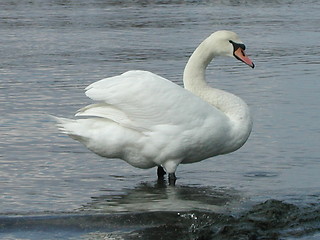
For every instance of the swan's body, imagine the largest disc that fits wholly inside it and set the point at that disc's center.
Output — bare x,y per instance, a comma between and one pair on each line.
149,121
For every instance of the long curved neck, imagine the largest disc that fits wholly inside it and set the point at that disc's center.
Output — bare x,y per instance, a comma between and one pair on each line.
229,104
194,79
194,72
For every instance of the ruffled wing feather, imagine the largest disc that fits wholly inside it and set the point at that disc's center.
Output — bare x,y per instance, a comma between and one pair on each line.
142,100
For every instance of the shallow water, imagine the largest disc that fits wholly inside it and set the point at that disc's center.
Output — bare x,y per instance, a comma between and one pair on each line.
53,188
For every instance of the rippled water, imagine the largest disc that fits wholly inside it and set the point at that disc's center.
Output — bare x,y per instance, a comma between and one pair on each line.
53,188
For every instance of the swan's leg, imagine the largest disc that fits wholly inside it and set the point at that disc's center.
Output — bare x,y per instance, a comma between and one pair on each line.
160,172
172,179
170,166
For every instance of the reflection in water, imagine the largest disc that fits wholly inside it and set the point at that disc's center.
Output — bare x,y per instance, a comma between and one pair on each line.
160,197
158,211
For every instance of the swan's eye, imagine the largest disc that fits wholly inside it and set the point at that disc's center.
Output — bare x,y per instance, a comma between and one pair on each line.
237,45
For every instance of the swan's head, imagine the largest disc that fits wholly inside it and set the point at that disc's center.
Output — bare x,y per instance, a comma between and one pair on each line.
227,43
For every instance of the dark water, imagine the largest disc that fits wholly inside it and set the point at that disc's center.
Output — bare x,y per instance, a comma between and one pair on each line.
53,188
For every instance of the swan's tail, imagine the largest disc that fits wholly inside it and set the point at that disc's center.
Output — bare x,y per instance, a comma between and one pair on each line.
70,127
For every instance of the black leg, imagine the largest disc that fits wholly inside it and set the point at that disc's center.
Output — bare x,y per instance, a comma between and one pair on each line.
172,179
160,172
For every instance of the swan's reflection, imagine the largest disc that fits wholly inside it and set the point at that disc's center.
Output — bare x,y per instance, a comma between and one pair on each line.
160,197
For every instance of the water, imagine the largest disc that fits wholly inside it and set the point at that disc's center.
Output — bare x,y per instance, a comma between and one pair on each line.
53,188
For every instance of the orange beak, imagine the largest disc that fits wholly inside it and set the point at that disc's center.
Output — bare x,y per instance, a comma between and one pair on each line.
241,55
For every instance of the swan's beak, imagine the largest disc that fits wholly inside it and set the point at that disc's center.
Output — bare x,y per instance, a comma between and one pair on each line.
240,54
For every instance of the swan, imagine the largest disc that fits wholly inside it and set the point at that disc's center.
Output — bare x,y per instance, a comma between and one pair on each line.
148,121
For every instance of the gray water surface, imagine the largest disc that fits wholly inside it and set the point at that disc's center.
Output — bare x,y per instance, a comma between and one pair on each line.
51,50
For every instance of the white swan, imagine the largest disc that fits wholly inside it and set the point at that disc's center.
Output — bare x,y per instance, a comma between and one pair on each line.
149,121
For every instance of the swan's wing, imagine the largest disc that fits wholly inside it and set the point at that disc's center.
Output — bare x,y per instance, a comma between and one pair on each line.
142,100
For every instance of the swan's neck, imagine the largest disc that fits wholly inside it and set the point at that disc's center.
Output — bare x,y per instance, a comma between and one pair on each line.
229,104
194,72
